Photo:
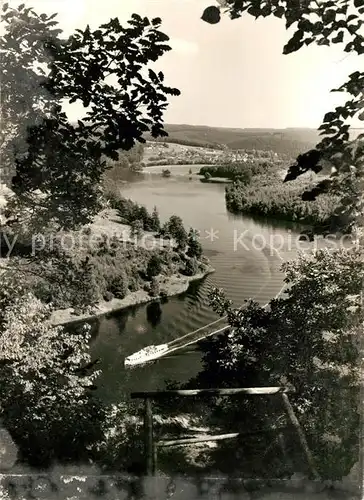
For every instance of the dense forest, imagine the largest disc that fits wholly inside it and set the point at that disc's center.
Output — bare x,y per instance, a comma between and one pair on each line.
244,171
257,189
269,197
282,141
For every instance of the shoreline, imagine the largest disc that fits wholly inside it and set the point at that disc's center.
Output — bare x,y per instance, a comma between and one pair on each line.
215,180
172,287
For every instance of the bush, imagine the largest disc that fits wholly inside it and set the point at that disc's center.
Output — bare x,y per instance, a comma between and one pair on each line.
136,228
269,197
191,267
108,296
194,246
107,268
155,224
113,197
82,278
72,281
121,448
133,283
154,290
132,213
119,286
174,228
166,173
46,400
244,171
43,291
154,266
143,215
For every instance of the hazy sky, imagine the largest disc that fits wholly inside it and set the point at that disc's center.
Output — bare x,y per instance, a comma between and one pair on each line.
232,74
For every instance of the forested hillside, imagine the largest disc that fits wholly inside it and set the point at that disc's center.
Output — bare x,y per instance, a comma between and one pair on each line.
289,141
286,141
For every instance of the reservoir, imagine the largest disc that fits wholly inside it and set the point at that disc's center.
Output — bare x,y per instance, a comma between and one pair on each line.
245,253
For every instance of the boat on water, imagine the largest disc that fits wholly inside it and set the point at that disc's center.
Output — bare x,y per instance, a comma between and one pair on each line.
149,353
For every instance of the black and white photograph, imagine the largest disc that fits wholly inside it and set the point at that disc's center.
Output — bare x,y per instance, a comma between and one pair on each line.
181,249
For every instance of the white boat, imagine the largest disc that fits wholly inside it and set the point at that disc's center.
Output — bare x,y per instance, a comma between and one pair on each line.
144,355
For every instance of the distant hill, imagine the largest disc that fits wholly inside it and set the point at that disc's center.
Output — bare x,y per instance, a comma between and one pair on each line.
289,141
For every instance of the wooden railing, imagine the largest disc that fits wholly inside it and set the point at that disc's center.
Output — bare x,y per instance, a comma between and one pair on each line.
152,445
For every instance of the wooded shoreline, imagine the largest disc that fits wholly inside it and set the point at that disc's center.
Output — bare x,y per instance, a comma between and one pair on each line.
173,286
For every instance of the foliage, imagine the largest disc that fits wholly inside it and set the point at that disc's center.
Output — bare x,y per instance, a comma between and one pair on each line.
211,15
55,276
108,296
122,448
322,23
120,268
60,160
166,173
154,266
242,171
122,443
269,197
46,375
128,161
136,228
194,246
154,287
12,286
81,275
118,285
76,276
130,212
155,224
191,267
174,229
306,339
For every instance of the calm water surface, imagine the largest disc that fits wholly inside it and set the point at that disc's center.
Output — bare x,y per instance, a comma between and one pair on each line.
244,269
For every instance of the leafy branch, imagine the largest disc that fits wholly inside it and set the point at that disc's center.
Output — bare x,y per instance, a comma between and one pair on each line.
107,69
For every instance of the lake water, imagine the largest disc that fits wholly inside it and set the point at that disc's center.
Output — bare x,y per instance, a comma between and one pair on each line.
239,249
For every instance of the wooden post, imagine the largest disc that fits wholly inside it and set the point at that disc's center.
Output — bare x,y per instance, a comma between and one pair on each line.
148,436
258,391
155,456
301,435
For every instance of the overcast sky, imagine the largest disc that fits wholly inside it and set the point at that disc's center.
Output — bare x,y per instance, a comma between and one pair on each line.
232,74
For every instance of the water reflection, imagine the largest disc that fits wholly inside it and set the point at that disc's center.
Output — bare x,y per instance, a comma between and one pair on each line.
154,313
120,319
